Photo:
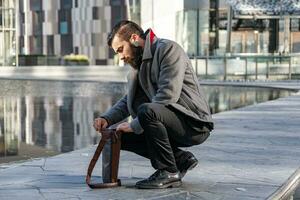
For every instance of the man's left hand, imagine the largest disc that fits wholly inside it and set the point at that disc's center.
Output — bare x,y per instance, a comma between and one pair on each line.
124,127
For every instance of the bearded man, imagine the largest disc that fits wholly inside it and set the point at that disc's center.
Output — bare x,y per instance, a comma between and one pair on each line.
165,101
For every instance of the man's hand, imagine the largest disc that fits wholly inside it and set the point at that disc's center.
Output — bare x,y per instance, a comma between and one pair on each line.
100,123
124,127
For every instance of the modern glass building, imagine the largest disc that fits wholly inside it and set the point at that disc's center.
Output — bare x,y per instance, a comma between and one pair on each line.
216,27
8,41
274,25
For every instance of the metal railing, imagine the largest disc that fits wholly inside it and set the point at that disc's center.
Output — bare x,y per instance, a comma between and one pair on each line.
248,66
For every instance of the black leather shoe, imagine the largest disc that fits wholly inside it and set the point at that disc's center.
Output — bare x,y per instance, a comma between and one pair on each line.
159,180
188,164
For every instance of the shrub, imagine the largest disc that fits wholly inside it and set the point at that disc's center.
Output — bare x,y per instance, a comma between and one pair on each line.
73,59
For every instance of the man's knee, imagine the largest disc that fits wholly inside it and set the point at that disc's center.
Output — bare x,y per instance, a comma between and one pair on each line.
148,111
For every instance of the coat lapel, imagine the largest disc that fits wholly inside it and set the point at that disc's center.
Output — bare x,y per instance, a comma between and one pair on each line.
145,78
131,89
144,74
145,69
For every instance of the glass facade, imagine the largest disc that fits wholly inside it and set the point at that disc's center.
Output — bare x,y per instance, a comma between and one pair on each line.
118,13
36,5
187,31
63,27
197,29
66,44
265,35
66,4
134,10
202,30
8,43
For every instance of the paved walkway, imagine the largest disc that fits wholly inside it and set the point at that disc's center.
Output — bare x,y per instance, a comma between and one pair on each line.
250,155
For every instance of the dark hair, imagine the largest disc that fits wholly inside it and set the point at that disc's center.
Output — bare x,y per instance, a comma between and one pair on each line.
125,29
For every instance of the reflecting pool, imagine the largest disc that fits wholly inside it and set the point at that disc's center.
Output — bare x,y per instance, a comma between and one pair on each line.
222,98
43,118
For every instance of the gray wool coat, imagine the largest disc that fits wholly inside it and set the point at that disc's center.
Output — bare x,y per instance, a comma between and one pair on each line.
167,77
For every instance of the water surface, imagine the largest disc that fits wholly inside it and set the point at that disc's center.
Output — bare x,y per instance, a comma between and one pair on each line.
43,118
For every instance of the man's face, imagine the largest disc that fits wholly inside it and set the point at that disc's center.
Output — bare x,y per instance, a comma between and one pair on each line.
127,52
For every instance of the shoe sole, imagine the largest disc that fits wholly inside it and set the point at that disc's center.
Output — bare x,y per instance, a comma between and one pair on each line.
182,174
193,166
168,185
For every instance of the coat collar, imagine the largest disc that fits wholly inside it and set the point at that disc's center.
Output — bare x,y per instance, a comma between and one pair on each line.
150,40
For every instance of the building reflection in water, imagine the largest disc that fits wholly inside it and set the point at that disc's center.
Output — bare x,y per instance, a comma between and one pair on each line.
10,126
227,98
61,121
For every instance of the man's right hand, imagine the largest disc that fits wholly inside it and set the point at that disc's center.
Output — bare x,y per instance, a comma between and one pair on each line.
100,123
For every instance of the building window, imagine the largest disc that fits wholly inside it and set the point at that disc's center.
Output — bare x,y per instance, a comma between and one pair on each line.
76,3
66,4
38,17
295,25
63,27
111,53
37,22
36,5
21,6
22,18
118,13
35,44
193,31
50,45
8,51
116,2
76,50
77,129
66,44
95,13
187,30
213,26
64,15
21,44
93,39
1,11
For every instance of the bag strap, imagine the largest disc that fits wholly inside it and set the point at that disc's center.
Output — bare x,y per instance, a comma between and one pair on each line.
116,146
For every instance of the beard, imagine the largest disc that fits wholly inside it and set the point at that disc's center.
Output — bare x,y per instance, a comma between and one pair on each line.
137,53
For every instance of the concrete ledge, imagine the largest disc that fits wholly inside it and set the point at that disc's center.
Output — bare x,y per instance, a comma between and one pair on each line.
78,73
286,84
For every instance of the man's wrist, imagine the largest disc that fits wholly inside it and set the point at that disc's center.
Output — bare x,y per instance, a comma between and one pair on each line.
136,126
107,120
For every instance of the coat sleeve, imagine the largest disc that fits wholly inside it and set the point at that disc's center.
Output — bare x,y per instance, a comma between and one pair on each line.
172,64
118,112
136,126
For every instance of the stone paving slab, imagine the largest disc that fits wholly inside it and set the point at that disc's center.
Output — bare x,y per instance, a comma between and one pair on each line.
250,155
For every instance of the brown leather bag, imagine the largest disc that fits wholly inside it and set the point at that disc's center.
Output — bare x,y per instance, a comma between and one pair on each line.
115,138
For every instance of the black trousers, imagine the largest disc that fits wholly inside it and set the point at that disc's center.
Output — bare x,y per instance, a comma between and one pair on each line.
165,130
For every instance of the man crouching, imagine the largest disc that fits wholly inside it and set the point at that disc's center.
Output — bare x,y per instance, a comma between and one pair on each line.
165,101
